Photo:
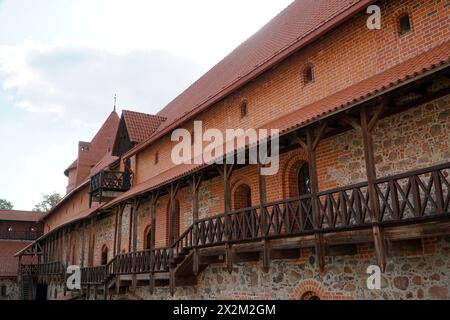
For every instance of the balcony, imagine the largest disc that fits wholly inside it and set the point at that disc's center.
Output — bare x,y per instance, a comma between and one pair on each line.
107,185
19,235
405,199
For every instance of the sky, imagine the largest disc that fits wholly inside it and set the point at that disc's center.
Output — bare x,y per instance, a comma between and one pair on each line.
61,62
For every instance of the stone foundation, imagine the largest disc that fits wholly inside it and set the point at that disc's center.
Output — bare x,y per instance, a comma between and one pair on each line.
418,274
10,289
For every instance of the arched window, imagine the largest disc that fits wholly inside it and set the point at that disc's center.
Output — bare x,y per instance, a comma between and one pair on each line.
104,255
303,180
148,237
242,197
308,74
176,222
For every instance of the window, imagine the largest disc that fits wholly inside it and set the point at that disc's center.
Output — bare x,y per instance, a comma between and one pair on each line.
10,229
104,255
404,24
303,180
33,229
308,74
148,237
244,109
156,158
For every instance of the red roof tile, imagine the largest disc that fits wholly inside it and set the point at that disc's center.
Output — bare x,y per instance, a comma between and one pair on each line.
141,125
102,142
299,24
412,68
14,215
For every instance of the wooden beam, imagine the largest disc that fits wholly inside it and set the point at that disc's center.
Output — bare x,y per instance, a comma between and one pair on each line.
376,116
379,241
314,182
350,121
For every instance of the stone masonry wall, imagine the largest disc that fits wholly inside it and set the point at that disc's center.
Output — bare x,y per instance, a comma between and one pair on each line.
414,275
12,289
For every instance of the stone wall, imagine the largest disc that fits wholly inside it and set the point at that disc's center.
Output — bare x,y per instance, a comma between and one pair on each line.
421,274
12,289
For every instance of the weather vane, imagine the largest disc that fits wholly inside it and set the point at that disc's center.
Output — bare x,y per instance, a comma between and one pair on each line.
115,102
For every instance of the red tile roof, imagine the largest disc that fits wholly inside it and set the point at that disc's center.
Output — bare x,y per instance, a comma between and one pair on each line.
298,25
437,57
141,125
14,215
8,262
102,142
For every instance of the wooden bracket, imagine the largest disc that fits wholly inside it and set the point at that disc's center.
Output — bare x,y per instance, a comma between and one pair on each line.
380,246
320,252
266,256
229,258
172,281
151,283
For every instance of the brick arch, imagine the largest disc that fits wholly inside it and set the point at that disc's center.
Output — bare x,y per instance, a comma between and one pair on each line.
147,231
314,287
289,172
238,183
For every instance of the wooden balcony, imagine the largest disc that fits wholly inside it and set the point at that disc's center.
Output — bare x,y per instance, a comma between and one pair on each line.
107,185
408,199
19,235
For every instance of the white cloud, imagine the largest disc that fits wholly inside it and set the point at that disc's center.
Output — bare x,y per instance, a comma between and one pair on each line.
77,83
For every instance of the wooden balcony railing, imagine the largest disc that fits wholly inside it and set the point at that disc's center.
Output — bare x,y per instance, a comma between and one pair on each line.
111,181
19,235
405,198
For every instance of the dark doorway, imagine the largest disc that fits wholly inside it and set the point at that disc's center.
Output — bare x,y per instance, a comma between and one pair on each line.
41,292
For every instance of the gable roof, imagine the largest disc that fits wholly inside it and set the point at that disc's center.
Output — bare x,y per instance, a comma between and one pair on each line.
140,125
102,142
298,25
413,69
15,215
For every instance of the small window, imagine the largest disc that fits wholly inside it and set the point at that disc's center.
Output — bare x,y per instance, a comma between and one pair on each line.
308,74
404,24
10,229
156,158
244,109
33,229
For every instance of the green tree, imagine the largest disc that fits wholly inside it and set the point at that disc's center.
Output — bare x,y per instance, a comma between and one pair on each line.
48,202
5,205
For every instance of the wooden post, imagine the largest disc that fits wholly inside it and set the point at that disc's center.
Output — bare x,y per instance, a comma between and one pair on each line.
136,206
92,243
226,172
195,185
173,191
119,230
264,221
83,246
116,224
311,146
367,127
153,203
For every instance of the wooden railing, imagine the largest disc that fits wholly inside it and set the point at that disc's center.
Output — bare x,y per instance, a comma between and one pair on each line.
111,181
408,197
94,275
20,235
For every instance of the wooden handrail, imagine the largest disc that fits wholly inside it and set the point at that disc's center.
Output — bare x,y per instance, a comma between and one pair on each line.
406,197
